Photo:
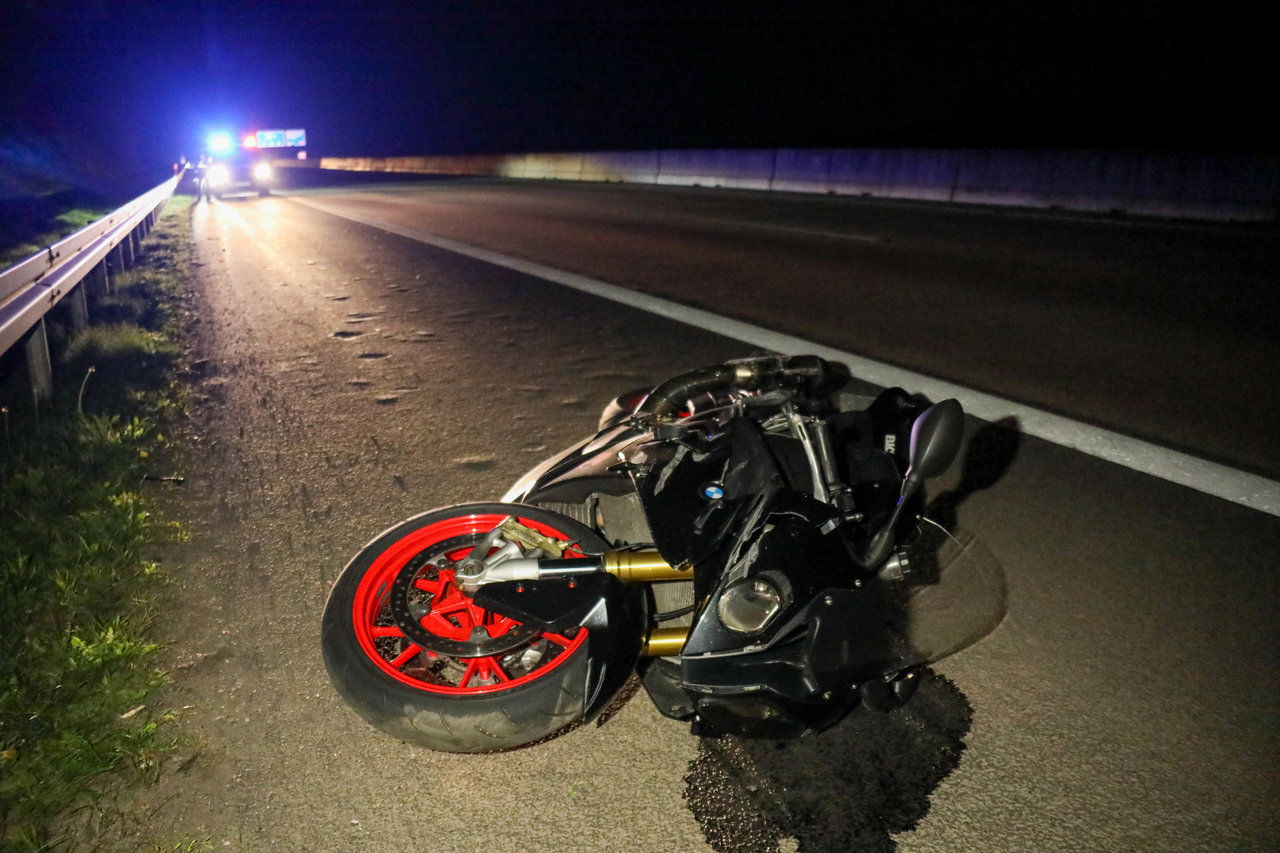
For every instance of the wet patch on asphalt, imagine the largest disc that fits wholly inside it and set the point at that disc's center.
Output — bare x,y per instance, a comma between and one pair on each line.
850,788
477,463
346,334
386,399
373,355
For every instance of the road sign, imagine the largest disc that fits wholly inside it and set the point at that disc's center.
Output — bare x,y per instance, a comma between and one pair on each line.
293,138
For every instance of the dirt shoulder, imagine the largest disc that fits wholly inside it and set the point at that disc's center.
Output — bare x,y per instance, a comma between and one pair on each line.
302,446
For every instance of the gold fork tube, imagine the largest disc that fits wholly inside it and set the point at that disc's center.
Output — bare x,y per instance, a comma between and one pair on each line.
664,642
643,567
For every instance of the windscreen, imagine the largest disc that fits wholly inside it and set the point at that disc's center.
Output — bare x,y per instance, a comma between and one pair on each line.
959,598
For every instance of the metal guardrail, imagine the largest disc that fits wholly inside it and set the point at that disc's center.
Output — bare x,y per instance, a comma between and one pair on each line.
31,288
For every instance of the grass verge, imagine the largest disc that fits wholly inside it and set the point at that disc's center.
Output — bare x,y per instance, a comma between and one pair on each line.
76,591
28,225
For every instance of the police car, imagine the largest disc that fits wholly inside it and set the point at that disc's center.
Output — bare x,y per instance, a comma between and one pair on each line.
247,167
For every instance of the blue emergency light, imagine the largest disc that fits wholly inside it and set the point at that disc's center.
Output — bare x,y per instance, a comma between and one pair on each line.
220,143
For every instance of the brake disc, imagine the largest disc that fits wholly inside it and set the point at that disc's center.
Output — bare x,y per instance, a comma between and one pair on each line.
480,644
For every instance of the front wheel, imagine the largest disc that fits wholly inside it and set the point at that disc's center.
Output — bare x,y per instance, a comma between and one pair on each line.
414,655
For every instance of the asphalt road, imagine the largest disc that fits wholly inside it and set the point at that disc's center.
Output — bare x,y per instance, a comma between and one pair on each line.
1164,331
1128,701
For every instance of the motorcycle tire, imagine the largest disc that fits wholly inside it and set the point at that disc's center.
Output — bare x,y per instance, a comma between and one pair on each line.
533,687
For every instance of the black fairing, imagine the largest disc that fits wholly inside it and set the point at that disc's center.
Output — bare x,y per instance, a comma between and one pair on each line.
802,683
688,527
788,526
804,680
836,629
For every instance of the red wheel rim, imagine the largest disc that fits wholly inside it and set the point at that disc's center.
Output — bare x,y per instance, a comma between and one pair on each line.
451,615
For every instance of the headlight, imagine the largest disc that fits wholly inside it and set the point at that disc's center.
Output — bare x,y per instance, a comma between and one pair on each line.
747,606
219,176
262,172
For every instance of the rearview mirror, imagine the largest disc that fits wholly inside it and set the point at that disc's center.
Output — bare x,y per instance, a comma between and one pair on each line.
935,441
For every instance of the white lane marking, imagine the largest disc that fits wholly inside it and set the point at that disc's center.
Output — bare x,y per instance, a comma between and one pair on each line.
1221,481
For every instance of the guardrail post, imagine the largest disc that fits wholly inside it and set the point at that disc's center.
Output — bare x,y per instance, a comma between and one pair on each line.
39,365
79,306
99,280
126,253
135,241
115,267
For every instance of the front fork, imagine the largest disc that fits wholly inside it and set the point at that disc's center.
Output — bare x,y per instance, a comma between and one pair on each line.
815,436
627,566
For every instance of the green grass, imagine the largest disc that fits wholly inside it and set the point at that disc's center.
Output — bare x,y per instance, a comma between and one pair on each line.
76,594
29,225
121,355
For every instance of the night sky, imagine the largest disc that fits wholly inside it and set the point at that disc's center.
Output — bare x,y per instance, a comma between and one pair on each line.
132,85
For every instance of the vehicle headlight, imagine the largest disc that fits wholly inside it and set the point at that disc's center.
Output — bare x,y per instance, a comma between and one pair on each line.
219,176
747,606
262,172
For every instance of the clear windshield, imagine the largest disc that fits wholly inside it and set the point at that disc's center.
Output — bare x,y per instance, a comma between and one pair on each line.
959,597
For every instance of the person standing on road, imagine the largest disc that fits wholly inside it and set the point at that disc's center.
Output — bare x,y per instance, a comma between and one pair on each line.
201,173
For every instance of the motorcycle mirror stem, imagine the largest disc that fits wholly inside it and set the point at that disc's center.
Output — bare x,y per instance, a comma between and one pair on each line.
935,440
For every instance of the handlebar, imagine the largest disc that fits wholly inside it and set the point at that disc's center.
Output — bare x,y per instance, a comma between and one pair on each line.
806,373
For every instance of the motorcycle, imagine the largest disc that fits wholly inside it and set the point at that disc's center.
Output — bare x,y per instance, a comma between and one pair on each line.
746,538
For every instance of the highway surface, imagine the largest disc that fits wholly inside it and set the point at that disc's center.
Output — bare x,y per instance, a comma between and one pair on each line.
351,376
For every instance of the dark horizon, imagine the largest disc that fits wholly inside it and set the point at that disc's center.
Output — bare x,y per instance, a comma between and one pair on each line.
100,88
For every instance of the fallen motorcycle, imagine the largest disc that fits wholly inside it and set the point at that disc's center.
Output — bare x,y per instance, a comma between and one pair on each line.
745,537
